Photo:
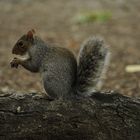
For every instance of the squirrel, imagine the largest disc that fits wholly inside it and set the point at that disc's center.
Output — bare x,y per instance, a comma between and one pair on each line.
63,76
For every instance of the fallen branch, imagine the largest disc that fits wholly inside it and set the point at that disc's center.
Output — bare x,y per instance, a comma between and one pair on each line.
101,117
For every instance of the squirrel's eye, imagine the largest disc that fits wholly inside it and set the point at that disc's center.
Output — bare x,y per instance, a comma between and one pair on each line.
20,43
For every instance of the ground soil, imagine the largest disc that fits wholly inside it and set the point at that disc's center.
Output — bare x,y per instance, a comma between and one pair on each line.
54,20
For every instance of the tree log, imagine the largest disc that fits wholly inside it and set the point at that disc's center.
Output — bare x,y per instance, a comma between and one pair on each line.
104,116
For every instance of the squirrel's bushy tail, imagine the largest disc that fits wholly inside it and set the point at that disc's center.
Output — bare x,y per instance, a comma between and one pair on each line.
92,64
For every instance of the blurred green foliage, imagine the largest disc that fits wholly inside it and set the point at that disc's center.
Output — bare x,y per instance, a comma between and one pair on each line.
87,17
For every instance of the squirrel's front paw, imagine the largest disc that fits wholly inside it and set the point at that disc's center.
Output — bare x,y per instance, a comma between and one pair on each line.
15,62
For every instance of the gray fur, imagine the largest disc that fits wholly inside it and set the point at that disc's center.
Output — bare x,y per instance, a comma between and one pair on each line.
59,72
92,64
58,67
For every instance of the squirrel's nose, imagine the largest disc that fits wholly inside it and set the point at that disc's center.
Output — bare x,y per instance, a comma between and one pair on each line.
13,51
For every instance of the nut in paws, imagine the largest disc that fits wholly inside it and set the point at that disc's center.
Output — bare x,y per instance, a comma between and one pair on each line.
14,63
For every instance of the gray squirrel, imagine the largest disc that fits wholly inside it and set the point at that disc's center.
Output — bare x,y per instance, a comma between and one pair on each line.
63,75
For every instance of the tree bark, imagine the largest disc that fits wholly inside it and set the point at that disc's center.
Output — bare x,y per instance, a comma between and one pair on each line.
104,116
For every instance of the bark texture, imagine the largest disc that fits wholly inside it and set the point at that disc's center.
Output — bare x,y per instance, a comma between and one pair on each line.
104,116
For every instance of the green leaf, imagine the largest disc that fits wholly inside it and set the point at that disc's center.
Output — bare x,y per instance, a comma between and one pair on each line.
93,17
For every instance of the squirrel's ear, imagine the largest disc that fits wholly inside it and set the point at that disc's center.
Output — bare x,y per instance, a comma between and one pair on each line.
31,33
